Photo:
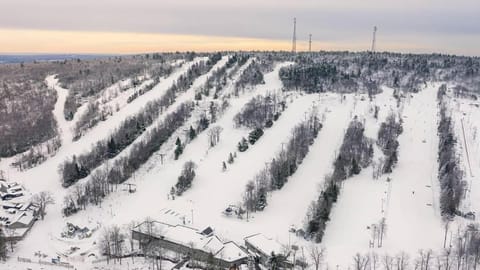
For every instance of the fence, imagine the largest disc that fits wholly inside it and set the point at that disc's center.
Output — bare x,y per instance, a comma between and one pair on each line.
59,264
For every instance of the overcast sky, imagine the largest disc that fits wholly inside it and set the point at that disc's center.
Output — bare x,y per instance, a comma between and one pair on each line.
449,26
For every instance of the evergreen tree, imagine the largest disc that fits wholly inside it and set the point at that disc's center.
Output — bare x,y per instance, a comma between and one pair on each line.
186,177
243,145
224,166
192,133
355,168
179,149
111,148
203,123
255,135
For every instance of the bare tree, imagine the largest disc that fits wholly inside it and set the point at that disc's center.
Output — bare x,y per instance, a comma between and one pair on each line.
10,233
317,254
423,259
361,261
214,135
374,260
105,244
43,199
387,262
401,261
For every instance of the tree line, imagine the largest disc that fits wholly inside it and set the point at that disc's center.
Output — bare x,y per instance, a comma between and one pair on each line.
79,167
275,175
218,79
103,180
251,76
365,72
356,152
261,111
462,253
388,141
85,79
450,174
185,179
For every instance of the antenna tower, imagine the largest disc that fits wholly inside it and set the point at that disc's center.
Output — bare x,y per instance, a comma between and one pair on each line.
310,43
374,41
294,40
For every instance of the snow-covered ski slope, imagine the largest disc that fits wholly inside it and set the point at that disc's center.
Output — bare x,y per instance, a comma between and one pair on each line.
407,198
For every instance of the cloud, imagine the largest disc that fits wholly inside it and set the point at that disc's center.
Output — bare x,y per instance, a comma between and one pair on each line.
343,22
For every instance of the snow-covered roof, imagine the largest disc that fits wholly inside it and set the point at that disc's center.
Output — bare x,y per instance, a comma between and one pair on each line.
193,238
231,252
185,235
264,244
213,245
24,218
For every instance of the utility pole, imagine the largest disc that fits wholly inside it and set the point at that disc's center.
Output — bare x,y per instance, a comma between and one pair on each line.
294,39
374,40
310,43
161,157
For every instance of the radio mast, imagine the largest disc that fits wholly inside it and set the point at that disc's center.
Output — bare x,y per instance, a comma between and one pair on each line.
310,43
294,39
374,40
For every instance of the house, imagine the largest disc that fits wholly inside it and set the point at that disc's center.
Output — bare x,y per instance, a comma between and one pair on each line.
17,213
265,247
18,225
10,190
203,246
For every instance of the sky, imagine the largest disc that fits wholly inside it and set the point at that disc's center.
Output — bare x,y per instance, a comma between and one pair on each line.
120,26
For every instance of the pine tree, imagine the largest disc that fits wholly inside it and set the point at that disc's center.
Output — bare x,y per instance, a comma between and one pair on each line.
178,149
192,133
243,145
224,166
255,135
355,168
111,148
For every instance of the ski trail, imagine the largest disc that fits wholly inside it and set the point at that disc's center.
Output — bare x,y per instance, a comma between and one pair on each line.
64,126
413,219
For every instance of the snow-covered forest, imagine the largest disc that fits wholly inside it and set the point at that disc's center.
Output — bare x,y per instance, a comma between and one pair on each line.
262,160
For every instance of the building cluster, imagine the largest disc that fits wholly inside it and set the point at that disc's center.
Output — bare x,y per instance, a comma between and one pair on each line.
204,246
17,212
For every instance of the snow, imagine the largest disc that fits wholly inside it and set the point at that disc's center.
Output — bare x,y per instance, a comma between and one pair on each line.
232,252
46,177
64,127
465,115
266,245
408,201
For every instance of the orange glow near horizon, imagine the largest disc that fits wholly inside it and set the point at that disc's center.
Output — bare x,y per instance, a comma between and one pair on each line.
46,41
84,42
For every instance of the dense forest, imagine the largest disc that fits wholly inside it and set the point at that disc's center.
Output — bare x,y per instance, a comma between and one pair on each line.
346,72
26,105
